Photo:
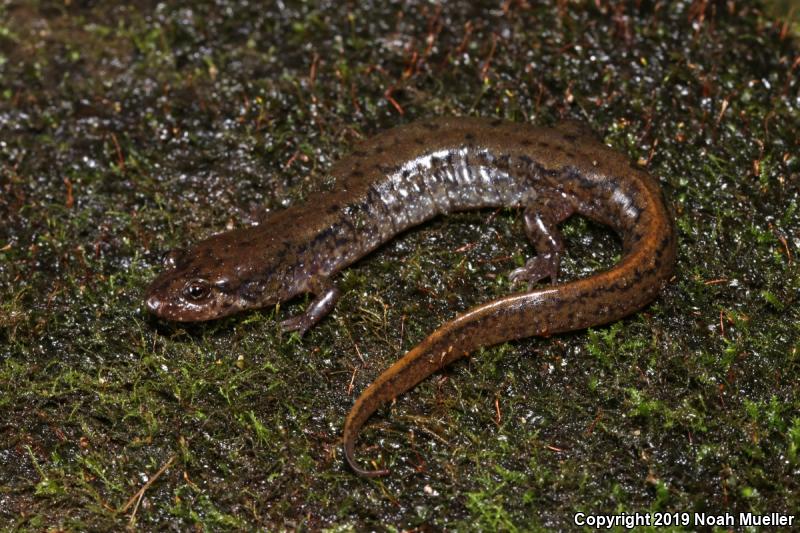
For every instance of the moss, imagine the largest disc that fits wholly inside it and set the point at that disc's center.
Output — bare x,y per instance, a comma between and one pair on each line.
131,130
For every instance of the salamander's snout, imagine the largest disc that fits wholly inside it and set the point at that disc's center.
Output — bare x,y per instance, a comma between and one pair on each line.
161,301
153,304
165,300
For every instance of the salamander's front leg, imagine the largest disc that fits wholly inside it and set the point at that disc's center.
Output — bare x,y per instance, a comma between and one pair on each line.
541,219
325,297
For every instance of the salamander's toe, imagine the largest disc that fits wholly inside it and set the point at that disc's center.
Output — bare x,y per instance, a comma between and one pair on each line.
536,269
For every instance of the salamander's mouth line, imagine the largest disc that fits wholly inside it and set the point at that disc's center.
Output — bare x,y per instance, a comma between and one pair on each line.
410,174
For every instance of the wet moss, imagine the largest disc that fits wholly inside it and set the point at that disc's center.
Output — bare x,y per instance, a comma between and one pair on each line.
129,129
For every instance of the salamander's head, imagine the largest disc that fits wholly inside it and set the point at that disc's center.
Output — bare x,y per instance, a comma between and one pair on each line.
212,280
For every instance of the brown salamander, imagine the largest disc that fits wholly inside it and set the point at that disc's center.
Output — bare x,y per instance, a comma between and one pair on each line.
410,174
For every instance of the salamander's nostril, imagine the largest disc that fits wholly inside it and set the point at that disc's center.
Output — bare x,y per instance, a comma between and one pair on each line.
153,304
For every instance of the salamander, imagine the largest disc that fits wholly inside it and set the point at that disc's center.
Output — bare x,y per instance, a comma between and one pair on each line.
412,173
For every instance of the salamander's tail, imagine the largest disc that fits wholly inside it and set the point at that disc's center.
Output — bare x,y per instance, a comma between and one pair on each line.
592,301
443,346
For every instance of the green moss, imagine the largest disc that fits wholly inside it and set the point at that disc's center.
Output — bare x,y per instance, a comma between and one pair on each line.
128,131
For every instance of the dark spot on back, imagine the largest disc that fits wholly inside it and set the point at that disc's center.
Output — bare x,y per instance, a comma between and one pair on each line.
418,140
570,137
359,153
469,137
526,142
324,235
431,125
496,122
544,144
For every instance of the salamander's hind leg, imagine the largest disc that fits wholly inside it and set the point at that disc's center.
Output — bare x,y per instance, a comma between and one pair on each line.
542,217
325,297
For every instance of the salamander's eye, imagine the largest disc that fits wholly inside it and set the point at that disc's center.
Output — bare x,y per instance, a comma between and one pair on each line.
197,289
